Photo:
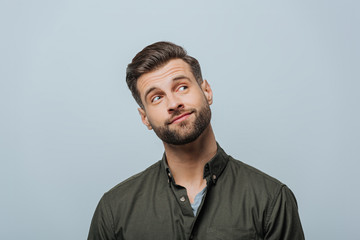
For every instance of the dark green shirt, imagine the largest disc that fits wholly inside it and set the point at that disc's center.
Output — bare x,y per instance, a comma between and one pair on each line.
241,202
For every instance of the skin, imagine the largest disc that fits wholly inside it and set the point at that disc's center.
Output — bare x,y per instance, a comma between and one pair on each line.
172,97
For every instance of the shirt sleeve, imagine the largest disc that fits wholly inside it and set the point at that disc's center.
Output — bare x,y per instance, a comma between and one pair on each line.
101,227
283,221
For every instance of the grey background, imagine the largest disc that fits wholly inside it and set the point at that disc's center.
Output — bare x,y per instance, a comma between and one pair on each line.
285,77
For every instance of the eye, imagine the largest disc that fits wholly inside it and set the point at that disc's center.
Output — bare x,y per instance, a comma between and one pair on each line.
182,88
155,98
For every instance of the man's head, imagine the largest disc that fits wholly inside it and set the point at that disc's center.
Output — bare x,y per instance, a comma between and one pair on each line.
174,101
153,57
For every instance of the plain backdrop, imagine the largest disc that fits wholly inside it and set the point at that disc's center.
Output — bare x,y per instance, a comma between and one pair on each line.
285,77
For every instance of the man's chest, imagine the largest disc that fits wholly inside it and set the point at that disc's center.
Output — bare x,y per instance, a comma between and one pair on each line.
169,216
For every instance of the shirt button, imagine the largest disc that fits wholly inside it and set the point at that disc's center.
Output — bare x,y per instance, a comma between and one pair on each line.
182,199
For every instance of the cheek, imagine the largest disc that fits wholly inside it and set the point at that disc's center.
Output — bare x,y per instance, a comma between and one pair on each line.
155,117
198,100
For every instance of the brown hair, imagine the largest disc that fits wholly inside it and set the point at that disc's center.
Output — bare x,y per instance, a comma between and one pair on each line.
153,57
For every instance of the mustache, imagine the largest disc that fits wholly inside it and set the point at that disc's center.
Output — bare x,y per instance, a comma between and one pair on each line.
179,112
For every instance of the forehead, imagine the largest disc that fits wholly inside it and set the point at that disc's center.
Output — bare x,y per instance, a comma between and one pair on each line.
164,74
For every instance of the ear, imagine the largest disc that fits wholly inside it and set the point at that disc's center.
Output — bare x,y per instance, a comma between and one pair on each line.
205,87
144,118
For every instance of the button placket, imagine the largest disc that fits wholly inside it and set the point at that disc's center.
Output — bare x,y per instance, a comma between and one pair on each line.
180,195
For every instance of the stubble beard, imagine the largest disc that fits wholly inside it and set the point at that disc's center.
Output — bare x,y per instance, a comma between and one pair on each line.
185,131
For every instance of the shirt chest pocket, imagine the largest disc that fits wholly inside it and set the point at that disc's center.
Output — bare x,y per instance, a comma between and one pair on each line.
222,233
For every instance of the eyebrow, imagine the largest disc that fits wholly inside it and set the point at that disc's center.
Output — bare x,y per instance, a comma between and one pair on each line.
177,78
149,91
180,78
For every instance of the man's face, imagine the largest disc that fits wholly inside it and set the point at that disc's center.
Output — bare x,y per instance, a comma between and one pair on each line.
175,106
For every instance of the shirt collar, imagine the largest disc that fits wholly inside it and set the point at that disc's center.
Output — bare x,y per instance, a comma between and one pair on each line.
212,169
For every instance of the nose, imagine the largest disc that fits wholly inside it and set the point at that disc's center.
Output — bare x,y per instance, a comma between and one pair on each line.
174,104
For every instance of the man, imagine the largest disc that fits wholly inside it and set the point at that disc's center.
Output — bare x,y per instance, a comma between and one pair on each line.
196,191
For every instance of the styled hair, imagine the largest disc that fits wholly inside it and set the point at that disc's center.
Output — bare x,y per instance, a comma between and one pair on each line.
154,57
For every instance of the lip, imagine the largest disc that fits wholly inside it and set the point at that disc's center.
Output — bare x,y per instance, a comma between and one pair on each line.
180,118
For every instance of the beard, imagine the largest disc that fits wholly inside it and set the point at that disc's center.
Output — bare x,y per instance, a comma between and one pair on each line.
186,131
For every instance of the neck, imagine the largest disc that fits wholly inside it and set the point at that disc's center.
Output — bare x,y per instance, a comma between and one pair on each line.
187,161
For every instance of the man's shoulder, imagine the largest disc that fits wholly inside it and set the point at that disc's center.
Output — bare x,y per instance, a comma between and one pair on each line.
252,176
136,183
